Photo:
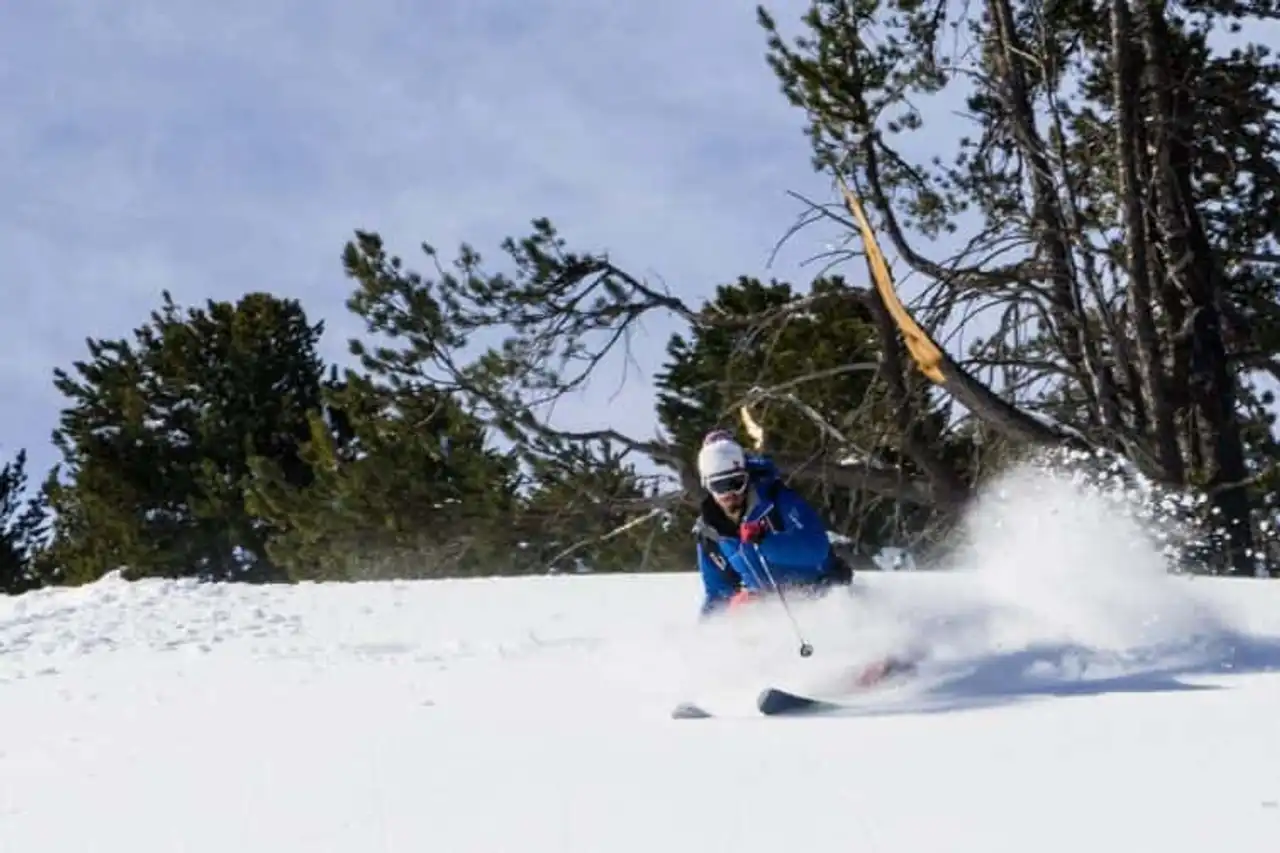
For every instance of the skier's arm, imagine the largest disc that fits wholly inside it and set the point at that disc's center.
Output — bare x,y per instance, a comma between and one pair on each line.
717,588
803,539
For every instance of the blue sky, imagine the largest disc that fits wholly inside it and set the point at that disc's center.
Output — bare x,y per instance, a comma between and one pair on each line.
214,148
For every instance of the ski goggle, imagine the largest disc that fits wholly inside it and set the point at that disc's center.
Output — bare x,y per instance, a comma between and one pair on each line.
730,484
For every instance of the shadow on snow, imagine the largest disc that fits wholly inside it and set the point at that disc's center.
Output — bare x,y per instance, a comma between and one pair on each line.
1065,670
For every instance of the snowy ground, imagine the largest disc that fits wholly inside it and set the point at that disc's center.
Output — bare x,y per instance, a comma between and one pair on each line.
1075,699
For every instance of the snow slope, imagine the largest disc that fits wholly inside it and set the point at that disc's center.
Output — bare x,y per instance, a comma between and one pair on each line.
1075,698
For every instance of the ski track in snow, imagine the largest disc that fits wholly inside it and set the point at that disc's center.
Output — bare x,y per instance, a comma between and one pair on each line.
1073,697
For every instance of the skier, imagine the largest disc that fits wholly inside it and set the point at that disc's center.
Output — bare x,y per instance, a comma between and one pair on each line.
750,514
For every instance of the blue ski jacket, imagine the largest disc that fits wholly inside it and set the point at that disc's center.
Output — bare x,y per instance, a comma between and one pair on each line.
796,549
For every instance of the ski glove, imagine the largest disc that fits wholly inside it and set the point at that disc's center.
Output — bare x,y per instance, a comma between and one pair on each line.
751,532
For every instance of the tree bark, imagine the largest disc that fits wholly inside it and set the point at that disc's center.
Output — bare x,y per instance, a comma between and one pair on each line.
1152,386
1194,271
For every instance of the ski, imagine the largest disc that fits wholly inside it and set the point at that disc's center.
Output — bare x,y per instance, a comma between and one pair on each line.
772,702
775,702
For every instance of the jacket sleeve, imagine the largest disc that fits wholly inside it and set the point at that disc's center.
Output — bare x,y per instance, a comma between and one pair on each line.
803,540
715,585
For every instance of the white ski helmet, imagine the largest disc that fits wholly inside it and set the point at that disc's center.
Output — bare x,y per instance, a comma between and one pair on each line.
719,457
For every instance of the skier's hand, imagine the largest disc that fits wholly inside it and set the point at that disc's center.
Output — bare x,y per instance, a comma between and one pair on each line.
751,532
741,597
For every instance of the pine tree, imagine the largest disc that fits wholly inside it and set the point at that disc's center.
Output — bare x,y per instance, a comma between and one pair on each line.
158,435
23,530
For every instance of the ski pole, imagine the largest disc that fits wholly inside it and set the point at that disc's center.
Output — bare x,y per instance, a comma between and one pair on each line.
805,648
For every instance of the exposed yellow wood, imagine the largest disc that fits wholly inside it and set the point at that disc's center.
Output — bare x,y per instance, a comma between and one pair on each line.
924,352
752,427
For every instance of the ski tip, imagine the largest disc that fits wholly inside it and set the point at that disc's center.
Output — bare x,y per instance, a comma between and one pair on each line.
689,711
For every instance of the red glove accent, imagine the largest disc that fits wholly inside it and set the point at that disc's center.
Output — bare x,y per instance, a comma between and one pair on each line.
753,531
741,597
